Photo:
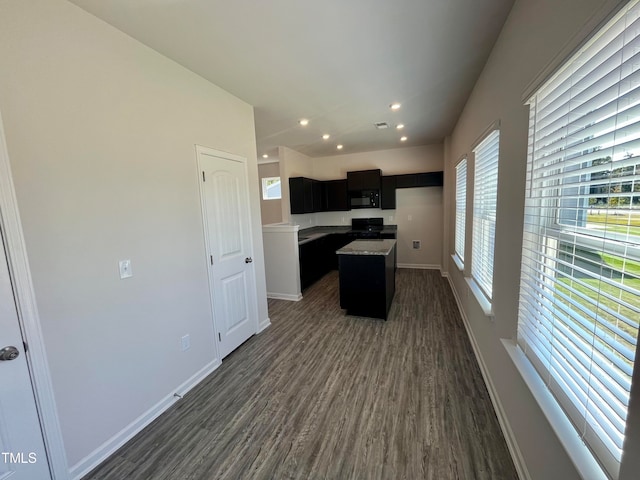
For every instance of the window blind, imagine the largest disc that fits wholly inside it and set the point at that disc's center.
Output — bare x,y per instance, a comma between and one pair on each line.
461,207
485,195
579,302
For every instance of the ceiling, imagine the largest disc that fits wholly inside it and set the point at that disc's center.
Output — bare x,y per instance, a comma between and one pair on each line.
338,63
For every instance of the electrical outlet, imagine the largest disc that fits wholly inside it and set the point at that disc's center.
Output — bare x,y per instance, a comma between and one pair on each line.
410,217
416,244
185,342
125,269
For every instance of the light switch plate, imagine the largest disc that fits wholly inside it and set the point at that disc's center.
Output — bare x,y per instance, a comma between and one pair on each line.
125,269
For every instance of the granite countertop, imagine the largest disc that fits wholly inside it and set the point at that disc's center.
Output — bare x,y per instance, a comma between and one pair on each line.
368,247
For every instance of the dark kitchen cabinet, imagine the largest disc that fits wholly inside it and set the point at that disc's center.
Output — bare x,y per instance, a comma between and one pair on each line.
305,195
410,180
318,257
407,181
430,179
388,192
367,284
363,180
335,196
335,241
426,179
317,192
311,263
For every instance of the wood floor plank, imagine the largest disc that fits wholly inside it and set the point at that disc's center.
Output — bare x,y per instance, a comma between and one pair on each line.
321,395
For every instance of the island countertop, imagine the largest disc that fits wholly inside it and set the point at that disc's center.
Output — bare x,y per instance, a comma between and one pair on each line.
368,247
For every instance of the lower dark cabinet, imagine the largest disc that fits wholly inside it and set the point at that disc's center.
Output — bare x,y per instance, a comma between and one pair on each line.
367,284
312,266
318,257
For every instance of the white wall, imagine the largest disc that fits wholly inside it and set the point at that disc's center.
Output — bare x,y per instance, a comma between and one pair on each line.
101,133
271,210
419,217
533,36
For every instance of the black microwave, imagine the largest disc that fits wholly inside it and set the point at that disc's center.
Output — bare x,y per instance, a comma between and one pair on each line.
364,199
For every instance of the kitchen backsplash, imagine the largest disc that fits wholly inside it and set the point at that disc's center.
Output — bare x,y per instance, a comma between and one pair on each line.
342,218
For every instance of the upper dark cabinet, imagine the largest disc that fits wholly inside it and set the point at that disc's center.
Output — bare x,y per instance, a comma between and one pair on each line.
426,179
364,180
305,195
430,179
335,195
388,193
409,180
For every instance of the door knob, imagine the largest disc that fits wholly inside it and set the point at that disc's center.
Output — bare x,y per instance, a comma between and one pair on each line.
9,353
248,260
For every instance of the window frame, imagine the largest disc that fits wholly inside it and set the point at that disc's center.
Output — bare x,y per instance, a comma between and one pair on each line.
484,254
263,182
546,226
460,237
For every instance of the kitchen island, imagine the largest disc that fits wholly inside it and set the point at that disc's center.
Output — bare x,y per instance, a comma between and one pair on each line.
367,277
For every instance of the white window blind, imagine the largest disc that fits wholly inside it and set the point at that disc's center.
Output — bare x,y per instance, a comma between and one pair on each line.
579,300
461,207
485,195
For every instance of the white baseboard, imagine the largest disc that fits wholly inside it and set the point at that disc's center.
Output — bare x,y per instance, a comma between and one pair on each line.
266,323
419,266
512,444
285,296
109,447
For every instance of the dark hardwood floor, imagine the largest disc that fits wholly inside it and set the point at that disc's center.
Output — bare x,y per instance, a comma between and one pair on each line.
320,395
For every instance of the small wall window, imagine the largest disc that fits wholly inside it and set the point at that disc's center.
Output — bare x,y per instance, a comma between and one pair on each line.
271,188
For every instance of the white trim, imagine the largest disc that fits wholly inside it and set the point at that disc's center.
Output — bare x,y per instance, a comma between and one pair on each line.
265,162
580,455
29,317
495,125
266,323
280,227
484,303
420,266
285,296
109,447
458,262
507,432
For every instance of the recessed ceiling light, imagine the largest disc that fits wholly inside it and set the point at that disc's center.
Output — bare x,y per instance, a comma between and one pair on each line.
265,156
339,147
400,126
403,139
304,122
395,106
326,136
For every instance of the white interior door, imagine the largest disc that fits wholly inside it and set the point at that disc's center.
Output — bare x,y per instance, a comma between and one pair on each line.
22,454
225,195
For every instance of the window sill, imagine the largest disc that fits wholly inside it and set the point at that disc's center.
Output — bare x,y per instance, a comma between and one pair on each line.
579,454
485,304
458,261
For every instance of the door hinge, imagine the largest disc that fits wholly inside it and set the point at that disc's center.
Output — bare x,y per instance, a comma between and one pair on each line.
211,257
24,344
219,337
203,179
